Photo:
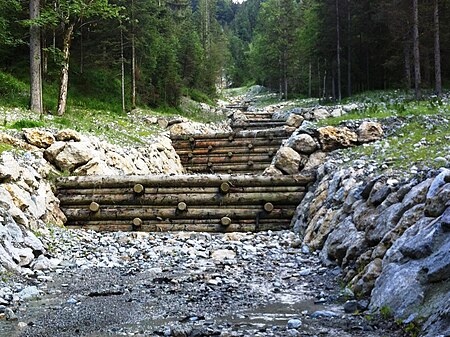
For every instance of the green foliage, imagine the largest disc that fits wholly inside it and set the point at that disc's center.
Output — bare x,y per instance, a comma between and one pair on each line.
386,312
13,92
8,10
26,123
5,147
199,96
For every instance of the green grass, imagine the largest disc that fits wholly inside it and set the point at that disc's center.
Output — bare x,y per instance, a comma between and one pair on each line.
93,107
5,147
397,109
26,123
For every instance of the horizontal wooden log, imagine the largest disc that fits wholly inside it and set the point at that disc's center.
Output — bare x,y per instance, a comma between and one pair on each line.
221,151
259,122
120,213
177,190
190,199
183,226
236,135
237,107
182,180
226,159
175,221
224,143
219,168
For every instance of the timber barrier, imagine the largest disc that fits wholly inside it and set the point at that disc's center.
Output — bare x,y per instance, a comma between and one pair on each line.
234,152
213,203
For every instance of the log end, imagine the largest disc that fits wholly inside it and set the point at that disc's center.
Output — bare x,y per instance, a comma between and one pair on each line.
137,222
268,207
225,221
138,189
225,187
181,206
94,207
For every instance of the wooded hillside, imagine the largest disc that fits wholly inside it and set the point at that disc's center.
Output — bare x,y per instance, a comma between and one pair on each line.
151,52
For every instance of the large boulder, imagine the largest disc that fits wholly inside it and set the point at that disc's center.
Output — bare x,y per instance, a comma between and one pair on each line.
94,167
333,138
294,120
369,132
288,160
416,269
303,143
9,168
37,137
68,135
320,113
315,160
74,155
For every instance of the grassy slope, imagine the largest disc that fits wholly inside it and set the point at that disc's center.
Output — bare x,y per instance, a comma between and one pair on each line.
93,107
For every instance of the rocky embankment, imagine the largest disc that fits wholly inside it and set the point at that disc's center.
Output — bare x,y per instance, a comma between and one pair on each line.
389,235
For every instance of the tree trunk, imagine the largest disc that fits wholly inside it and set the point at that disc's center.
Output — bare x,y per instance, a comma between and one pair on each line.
338,53
417,79
407,63
319,79
349,50
81,49
310,80
35,60
437,51
64,76
122,63
133,59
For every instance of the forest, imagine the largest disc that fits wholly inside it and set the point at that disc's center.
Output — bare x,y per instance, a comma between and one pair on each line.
152,52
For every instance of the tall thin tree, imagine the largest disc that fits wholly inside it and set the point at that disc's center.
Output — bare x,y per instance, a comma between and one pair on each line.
437,50
416,50
338,52
35,59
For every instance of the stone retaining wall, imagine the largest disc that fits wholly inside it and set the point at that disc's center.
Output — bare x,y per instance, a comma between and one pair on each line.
389,235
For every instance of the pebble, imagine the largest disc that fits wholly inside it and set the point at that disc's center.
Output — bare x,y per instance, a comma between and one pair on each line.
294,323
323,313
10,315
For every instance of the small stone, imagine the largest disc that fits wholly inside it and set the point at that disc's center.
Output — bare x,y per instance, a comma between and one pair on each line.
305,272
29,293
294,323
10,315
323,313
22,325
72,301
305,250
351,307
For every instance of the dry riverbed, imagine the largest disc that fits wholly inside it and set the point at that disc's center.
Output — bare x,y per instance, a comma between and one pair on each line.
183,284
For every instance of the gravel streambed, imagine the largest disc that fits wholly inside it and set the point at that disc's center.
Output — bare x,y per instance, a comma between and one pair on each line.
181,284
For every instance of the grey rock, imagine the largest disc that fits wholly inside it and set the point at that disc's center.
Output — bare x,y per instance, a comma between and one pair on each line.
10,315
29,293
377,197
422,244
294,323
440,180
351,307
302,143
437,203
417,194
385,222
324,313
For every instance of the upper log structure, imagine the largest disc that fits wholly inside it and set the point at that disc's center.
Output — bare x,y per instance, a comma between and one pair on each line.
181,202
254,120
234,152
